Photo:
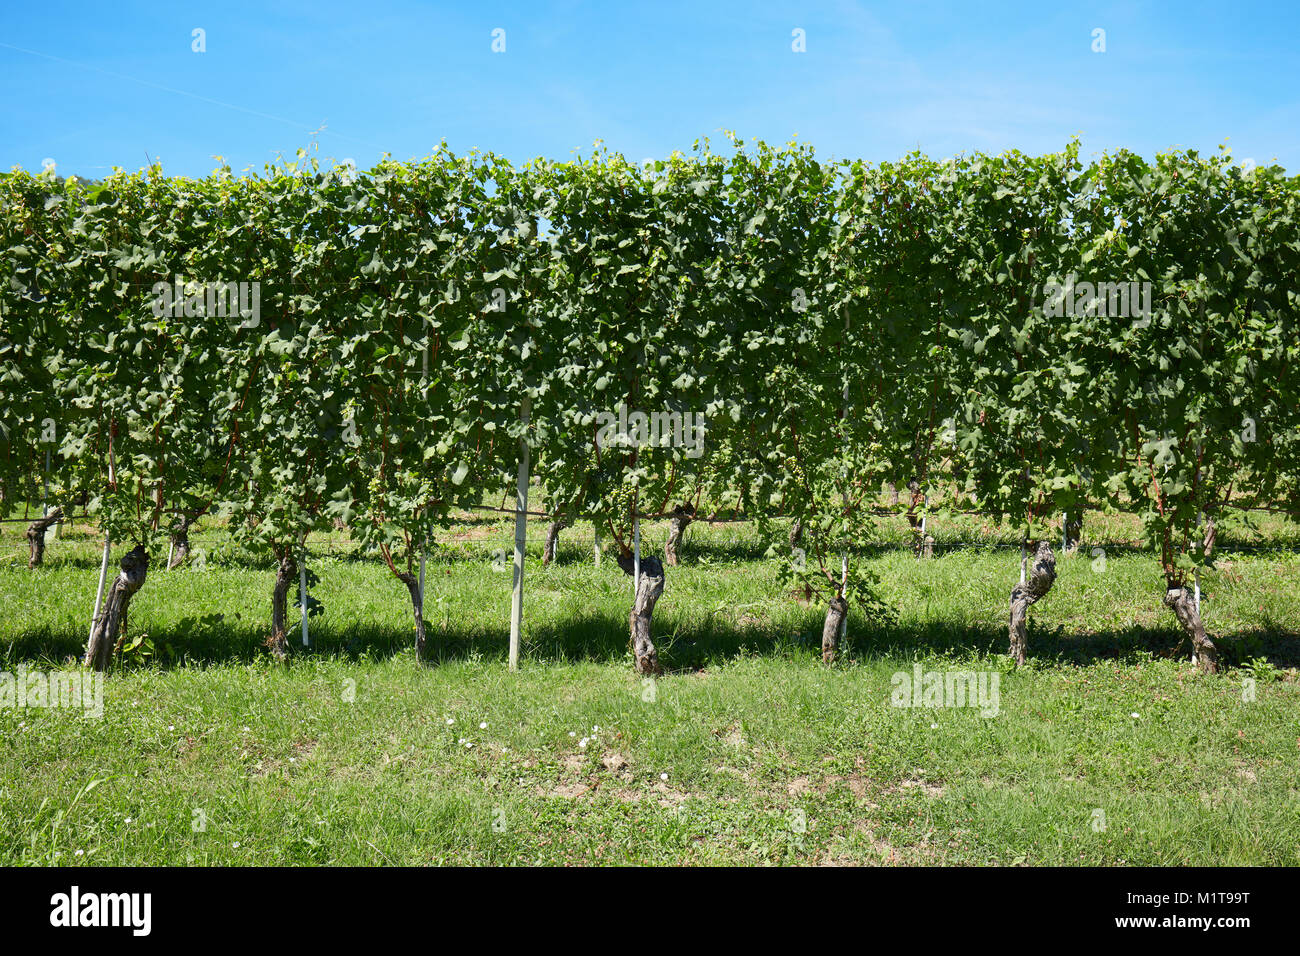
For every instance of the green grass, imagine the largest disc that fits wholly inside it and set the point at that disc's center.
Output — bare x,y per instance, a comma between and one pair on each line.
346,757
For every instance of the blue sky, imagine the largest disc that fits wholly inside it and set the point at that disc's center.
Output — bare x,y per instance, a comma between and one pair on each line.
94,85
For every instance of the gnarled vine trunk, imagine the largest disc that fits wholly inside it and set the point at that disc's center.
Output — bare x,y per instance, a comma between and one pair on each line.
36,537
681,516
1181,601
285,574
1073,529
836,611
412,583
648,589
104,635
180,544
1042,574
553,538
913,519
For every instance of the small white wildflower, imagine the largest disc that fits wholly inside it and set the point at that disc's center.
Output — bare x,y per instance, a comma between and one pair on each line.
1135,715
934,726
482,725
80,853
128,820
573,733
663,776
469,745
171,726
235,845
450,721
583,743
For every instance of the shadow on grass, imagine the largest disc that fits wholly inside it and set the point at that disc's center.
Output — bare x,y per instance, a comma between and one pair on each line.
683,646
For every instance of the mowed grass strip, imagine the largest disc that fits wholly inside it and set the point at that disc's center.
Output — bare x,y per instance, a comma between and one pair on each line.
1107,749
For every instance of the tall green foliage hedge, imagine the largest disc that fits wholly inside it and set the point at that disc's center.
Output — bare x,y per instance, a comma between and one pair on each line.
834,325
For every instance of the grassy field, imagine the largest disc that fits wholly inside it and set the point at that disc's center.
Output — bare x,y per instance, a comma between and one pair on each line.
1107,749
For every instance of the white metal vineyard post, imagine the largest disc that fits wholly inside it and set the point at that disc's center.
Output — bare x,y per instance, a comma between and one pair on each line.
103,565
302,591
521,537
171,549
1196,594
424,544
1196,575
45,503
50,533
596,545
1022,562
636,502
1196,571
844,556
99,594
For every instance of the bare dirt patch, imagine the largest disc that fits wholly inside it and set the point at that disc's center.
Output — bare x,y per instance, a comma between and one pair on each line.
614,762
799,786
929,789
571,791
